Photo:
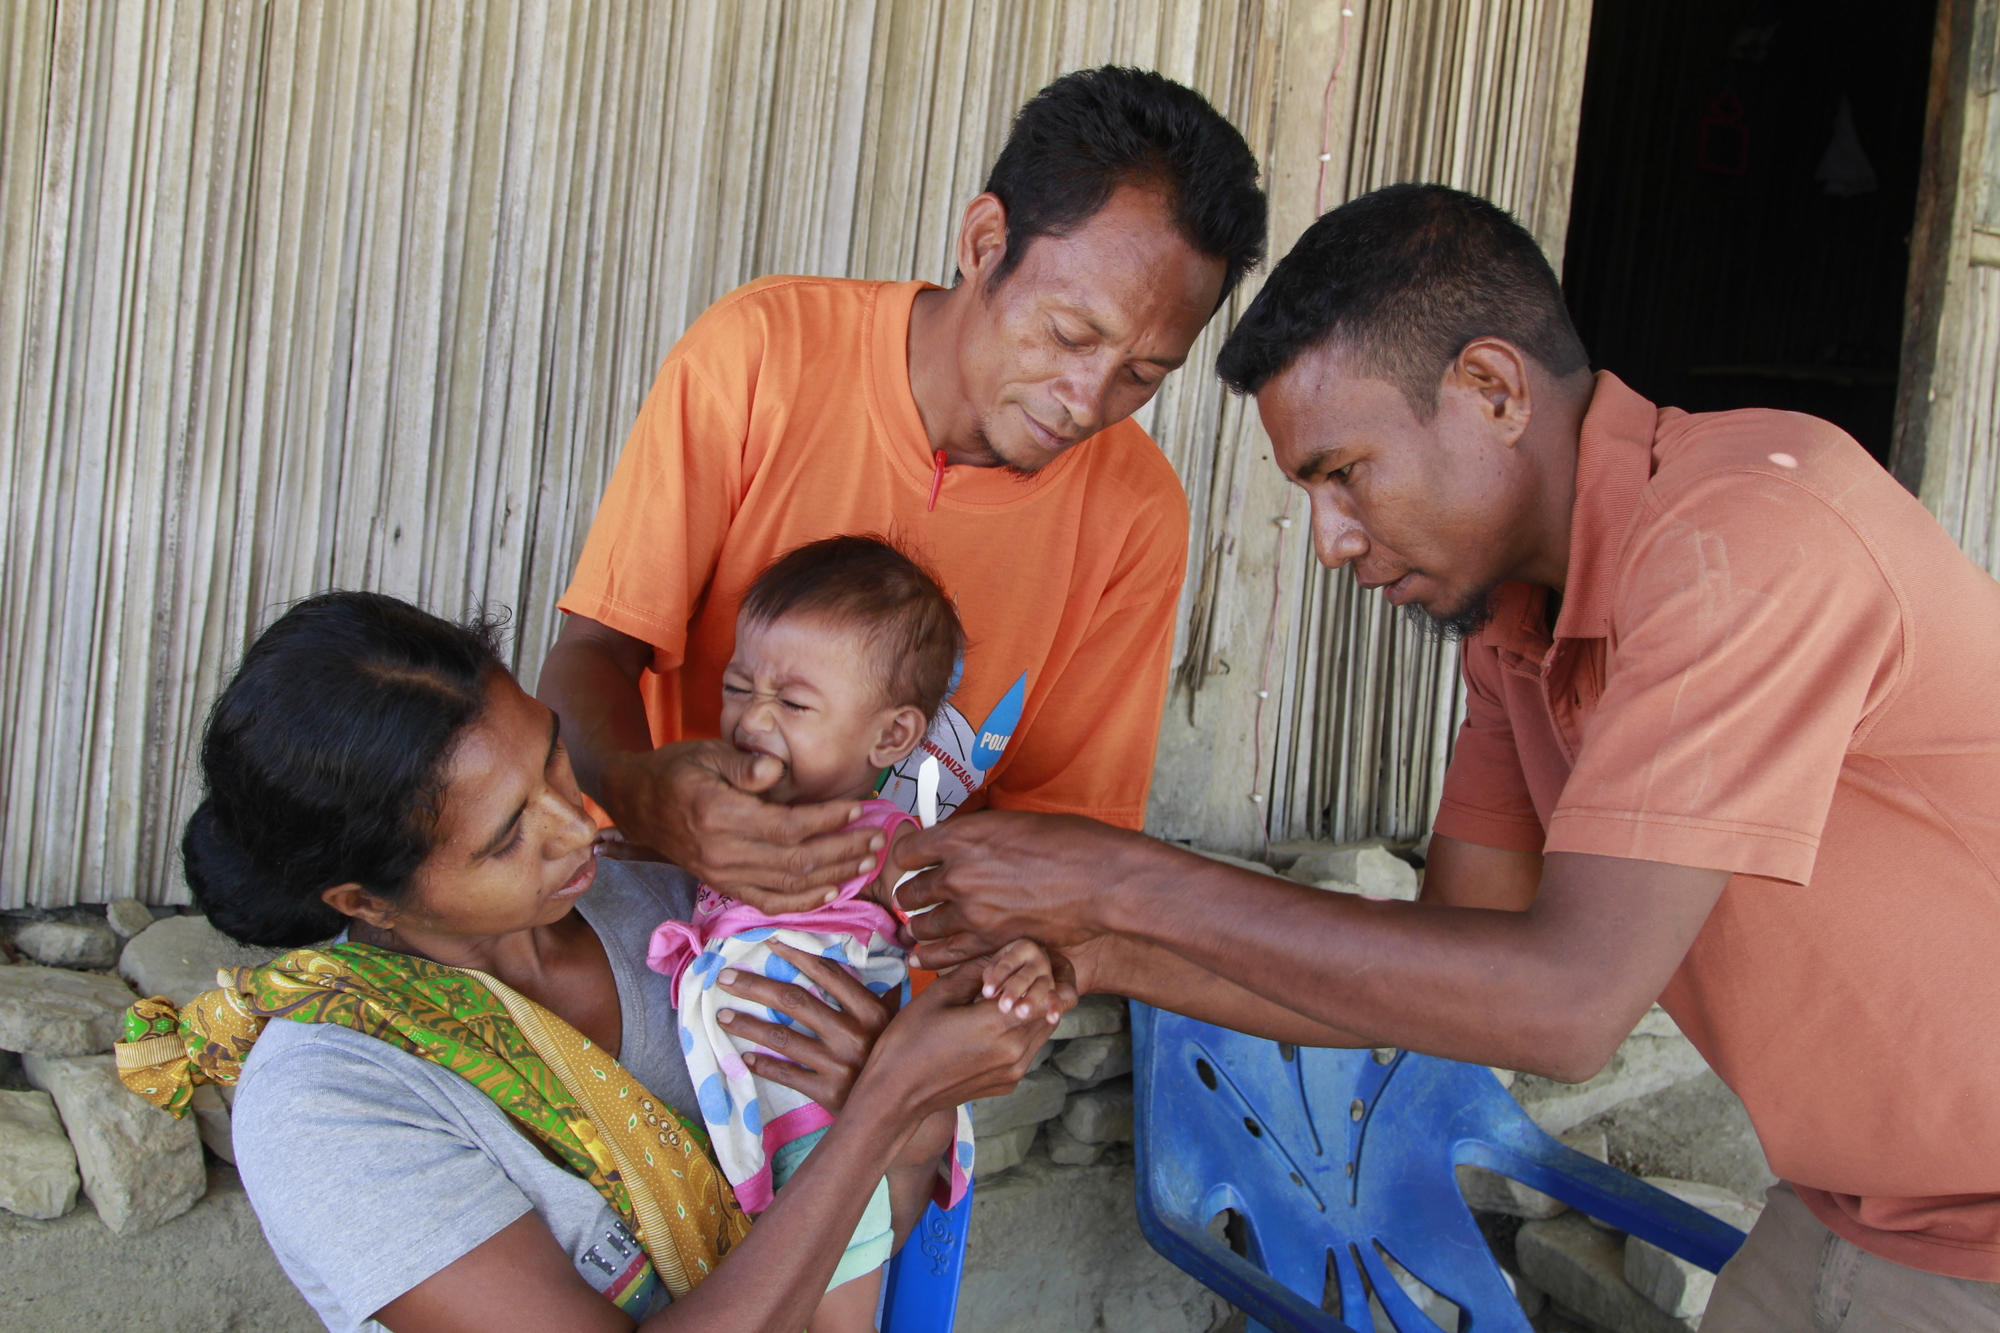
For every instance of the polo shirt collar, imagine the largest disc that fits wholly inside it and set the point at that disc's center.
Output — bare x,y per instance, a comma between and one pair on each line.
1614,461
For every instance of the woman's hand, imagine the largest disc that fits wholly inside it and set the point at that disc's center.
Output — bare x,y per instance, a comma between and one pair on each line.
949,1046
822,1060
963,1047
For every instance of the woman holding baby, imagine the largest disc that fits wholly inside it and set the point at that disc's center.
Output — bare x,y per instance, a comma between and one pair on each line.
472,1108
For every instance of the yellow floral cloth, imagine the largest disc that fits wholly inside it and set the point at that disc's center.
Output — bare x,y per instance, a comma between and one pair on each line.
651,1164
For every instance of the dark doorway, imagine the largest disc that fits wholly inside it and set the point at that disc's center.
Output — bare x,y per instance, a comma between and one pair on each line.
1745,183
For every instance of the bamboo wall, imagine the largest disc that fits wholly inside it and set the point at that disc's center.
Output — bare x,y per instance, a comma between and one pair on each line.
1947,446
1961,479
1353,737
1962,485
299,295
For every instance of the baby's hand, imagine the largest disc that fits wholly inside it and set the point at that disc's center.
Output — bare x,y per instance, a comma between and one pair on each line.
1022,980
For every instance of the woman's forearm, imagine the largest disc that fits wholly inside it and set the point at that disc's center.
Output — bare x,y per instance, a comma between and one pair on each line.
773,1281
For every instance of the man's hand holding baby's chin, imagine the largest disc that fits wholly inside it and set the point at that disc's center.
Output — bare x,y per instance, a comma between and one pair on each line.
700,803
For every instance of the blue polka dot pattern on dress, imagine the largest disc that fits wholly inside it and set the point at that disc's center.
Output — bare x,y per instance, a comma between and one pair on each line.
714,1097
740,1109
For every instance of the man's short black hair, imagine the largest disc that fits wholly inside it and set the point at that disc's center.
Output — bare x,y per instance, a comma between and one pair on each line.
1086,134
1405,277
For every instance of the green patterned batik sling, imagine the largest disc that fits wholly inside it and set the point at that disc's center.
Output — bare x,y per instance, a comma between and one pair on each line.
650,1163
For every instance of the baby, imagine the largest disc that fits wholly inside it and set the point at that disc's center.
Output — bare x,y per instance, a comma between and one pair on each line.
845,648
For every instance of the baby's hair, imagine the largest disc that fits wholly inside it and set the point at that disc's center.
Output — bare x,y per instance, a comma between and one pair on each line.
865,583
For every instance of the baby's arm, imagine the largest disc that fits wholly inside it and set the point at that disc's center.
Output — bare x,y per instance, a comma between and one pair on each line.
881,890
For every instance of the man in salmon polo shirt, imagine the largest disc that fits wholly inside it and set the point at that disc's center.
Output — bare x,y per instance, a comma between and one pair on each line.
1732,744
985,428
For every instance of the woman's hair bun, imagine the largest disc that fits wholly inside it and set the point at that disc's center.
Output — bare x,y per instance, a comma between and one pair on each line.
237,894
323,758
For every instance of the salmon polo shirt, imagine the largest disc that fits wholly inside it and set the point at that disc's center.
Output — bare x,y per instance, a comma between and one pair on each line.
1771,660
784,415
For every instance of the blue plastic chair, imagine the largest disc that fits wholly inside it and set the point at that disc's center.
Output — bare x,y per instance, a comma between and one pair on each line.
1333,1158
920,1294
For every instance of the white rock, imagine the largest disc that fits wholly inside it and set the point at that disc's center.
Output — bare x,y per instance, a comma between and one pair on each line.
1239,862
37,1166
140,1165
1065,1149
179,956
127,917
1668,1281
1583,1267
1642,1065
1532,1298
995,1153
211,1121
1041,1057
1093,1016
1371,869
1490,1192
54,1011
1088,1061
1036,1098
1101,1115
68,943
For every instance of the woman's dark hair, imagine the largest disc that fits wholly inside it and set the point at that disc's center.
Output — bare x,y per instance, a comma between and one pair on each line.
1403,278
865,583
1079,139
323,759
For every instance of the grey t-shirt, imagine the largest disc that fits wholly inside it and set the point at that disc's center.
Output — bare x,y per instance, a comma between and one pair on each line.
371,1169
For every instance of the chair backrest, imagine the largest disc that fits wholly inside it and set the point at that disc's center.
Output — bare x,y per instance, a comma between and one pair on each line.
1338,1162
920,1293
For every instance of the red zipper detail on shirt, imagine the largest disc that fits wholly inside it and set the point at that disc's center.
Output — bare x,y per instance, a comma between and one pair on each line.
937,478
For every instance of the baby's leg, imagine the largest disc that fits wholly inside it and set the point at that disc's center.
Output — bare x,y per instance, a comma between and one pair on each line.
849,1307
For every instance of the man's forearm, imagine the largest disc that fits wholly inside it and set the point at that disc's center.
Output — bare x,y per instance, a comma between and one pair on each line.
1141,970
597,697
1550,990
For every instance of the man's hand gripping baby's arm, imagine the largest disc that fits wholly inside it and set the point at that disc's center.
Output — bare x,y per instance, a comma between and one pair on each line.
1019,977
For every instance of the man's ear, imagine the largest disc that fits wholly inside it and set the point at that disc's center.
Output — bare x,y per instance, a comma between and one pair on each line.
352,900
900,733
982,237
1497,372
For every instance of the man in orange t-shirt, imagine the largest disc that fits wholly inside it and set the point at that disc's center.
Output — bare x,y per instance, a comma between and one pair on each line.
985,429
1731,744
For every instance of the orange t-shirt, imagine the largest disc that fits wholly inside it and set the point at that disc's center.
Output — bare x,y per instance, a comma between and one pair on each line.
1771,660
784,415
